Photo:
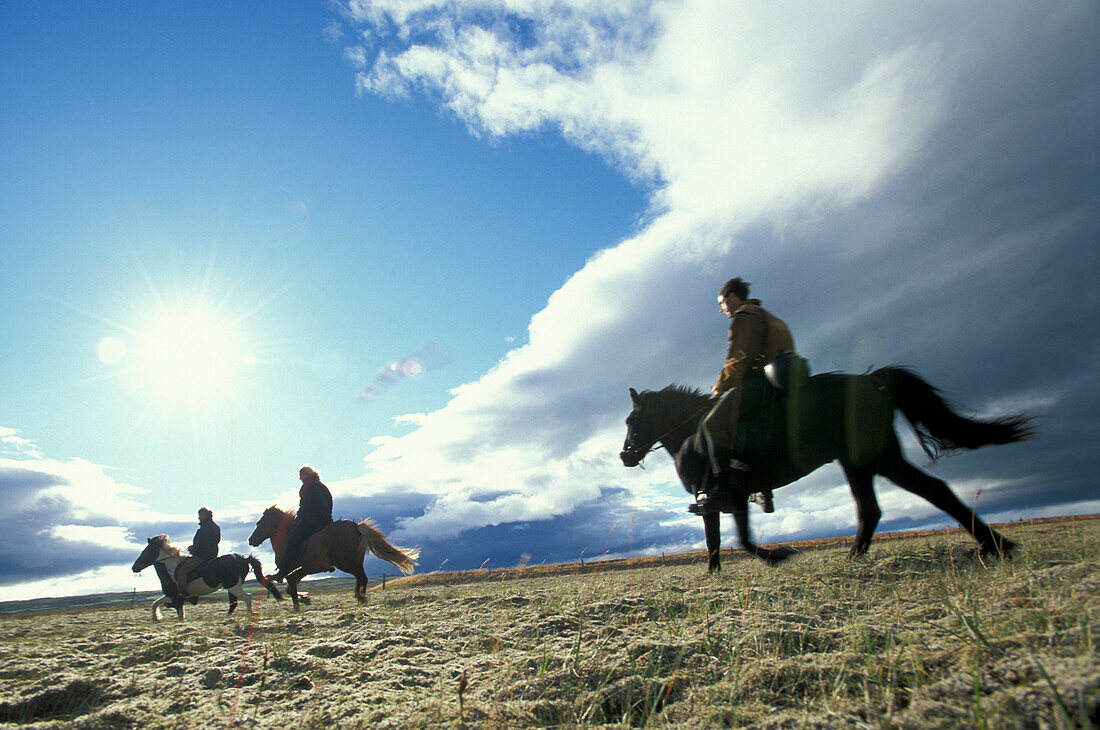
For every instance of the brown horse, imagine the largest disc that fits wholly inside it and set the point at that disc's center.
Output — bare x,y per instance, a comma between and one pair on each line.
342,544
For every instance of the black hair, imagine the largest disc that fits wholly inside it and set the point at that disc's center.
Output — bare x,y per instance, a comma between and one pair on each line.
736,287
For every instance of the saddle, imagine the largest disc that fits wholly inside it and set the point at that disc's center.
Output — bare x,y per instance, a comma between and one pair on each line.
788,371
188,571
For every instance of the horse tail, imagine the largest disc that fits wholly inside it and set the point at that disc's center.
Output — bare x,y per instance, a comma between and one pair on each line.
372,539
258,570
939,428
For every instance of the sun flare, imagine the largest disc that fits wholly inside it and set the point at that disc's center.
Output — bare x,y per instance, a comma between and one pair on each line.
189,353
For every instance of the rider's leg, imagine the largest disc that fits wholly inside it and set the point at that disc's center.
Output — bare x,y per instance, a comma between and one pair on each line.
182,573
292,551
718,428
756,393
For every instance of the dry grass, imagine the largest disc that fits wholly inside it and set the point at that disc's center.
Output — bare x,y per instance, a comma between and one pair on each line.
916,635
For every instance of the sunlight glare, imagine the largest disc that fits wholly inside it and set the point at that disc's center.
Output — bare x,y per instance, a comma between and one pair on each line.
111,350
189,353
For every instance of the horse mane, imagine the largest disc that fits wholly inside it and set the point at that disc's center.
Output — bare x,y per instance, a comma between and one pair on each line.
292,513
166,544
673,397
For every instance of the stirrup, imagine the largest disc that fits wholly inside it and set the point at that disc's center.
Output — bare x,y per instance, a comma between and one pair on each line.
764,499
702,504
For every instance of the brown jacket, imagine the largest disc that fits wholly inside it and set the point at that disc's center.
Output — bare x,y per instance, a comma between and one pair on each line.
756,337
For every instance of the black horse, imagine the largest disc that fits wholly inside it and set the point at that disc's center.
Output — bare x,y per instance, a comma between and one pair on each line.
847,418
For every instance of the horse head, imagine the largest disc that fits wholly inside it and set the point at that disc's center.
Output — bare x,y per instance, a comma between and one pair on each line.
150,554
665,416
640,434
266,526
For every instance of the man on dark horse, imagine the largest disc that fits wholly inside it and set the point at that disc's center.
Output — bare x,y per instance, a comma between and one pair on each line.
756,337
204,546
314,513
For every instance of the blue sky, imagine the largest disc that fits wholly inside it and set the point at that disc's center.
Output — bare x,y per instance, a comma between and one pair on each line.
521,210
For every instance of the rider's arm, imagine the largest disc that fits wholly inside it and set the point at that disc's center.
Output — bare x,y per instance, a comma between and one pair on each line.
746,343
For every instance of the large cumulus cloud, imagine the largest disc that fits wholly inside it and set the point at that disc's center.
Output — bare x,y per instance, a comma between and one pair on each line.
909,185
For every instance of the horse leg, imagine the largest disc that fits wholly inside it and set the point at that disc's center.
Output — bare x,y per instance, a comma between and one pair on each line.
177,603
360,583
292,579
741,519
712,527
936,491
236,592
868,513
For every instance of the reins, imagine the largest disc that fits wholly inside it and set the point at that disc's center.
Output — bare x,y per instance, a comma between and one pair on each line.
658,444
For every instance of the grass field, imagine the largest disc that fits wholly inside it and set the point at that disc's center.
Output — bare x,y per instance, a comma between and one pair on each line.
918,634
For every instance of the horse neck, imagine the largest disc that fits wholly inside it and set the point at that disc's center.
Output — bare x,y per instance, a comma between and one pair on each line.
674,441
278,537
674,438
683,422
171,558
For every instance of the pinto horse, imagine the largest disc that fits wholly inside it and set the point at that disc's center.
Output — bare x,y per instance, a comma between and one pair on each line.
225,571
846,418
342,544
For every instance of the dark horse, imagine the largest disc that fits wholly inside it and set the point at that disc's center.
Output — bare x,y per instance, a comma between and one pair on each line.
342,544
848,418
224,571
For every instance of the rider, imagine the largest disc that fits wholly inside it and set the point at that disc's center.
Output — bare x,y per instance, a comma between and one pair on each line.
756,337
314,513
204,546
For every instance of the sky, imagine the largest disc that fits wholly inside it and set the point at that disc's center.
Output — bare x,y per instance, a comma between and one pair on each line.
427,247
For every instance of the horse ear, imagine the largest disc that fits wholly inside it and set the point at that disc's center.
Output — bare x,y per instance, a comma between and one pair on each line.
634,396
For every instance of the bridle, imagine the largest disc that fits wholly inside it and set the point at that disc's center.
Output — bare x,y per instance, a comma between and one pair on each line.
659,443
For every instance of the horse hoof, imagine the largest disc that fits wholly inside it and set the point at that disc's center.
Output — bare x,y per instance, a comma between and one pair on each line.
779,554
1005,550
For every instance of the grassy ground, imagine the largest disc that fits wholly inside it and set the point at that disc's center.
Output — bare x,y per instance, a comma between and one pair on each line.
916,635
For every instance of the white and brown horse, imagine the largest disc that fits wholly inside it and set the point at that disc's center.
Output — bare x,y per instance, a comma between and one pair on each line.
225,571
342,544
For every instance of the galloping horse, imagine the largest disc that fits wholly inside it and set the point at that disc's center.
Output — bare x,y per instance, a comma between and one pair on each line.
848,418
342,544
225,571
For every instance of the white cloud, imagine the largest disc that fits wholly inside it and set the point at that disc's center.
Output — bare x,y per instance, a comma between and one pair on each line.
105,579
12,444
114,536
85,488
78,520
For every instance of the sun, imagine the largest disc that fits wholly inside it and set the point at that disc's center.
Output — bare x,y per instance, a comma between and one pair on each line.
188,353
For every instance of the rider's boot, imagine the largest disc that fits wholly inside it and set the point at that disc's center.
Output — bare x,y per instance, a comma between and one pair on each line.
724,481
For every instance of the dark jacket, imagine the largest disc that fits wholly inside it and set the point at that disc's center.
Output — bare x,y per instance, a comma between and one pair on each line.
205,543
756,337
314,504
